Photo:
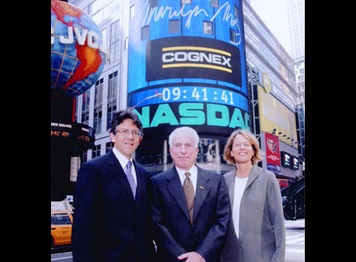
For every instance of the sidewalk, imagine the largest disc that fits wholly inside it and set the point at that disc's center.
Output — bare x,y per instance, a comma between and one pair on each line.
299,223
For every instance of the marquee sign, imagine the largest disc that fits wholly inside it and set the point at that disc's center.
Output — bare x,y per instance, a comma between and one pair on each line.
199,57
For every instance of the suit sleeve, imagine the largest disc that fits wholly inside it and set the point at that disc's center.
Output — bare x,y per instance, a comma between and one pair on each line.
84,206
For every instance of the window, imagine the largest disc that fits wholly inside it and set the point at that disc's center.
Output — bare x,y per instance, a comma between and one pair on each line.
108,146
126,43
132,11
86,100
233,36
60,219
85,156
98,107
145,32
98,118
112,86
236,12
112,97
174,26
153,3
115,41
209,151
214,3
85,107
111,110
96,151
208,28
98,99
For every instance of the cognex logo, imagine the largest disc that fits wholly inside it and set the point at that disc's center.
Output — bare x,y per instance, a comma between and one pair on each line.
180,56
192,57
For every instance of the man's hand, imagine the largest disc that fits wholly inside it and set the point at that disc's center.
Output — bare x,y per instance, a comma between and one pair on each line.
191,257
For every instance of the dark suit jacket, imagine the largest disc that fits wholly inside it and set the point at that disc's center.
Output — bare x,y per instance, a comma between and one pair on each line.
109,224
174,234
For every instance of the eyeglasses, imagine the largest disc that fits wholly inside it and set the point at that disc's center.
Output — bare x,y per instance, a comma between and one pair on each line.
126,132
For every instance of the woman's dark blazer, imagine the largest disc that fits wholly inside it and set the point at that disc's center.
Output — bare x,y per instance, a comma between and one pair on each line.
211,217
109,224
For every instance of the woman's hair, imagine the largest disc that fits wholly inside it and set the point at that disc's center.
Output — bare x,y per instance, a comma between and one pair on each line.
185,131
258,154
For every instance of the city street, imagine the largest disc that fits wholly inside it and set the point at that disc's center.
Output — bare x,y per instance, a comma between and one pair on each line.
294,239
295,242
216,66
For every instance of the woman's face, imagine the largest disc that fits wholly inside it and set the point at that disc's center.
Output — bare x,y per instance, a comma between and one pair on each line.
242,150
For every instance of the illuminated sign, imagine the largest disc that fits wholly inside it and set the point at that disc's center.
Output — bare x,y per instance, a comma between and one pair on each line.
73,34
273,159
295,163
78,132
193,55
192,12
266,82
286,159
77,50
189,93
274,114
200,57
203,116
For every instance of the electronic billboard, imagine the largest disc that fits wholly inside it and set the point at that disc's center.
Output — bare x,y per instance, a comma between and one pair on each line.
187,66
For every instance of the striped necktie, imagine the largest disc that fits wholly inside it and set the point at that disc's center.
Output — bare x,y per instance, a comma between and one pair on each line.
130,178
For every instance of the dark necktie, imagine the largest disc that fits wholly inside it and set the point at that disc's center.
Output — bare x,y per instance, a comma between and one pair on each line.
189,195
130,178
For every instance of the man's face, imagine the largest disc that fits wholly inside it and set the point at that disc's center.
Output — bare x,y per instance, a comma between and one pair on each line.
184,152
126,139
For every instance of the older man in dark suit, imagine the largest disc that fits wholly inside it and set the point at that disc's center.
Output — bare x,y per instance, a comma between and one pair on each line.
178,236
112,219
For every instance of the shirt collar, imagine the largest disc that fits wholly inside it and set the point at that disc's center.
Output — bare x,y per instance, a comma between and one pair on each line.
193,172
122,159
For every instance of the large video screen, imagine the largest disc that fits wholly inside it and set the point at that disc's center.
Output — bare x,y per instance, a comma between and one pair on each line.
187,66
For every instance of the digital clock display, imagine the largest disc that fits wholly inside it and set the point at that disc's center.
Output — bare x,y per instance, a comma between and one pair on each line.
190,94
75,131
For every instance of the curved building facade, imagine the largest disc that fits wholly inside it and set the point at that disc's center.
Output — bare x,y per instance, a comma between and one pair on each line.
189,56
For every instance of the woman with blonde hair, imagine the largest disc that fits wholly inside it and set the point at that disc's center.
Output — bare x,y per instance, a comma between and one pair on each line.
256,232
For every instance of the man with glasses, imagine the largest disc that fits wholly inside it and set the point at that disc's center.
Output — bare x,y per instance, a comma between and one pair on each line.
112,219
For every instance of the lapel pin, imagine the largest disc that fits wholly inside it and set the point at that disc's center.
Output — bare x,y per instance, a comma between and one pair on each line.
201,187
